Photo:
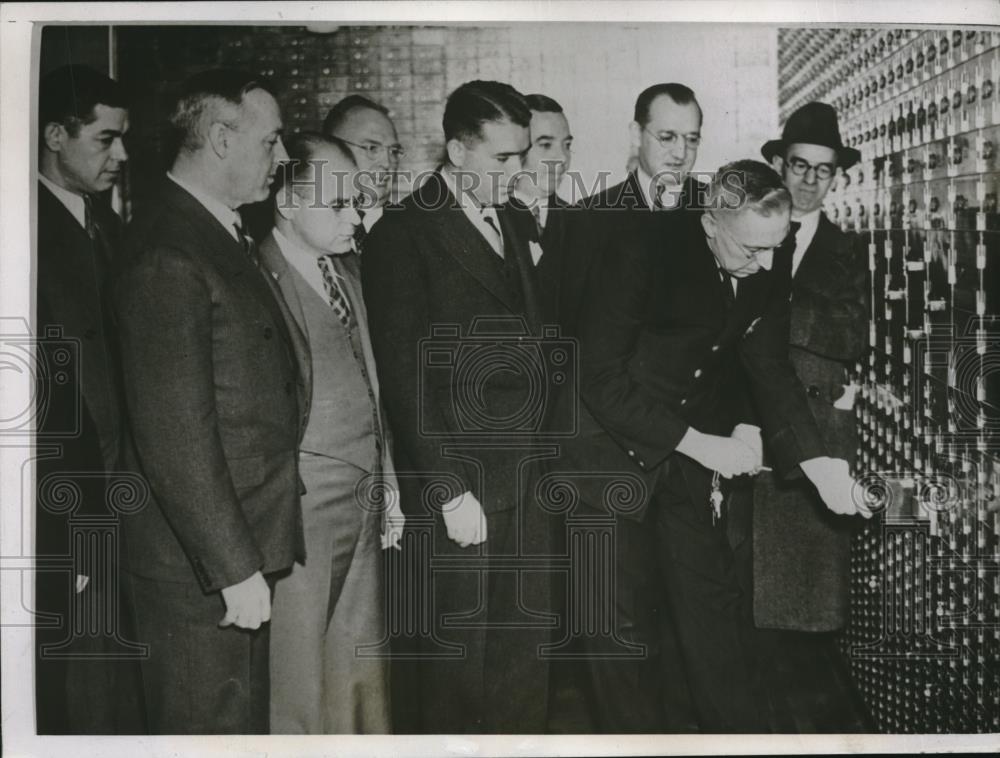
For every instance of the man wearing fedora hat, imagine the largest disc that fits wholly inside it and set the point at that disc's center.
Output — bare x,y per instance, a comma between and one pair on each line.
801,549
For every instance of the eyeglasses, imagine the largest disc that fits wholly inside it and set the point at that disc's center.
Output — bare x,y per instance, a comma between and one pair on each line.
800,167
669,139
374,149
752,253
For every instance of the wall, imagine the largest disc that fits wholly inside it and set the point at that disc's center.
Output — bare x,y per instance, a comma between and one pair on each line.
594,70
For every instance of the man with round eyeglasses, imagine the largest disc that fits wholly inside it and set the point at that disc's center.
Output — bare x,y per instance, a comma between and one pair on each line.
801,555
365,127
670,361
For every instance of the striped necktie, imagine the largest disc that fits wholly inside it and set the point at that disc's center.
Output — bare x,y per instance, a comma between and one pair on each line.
338,300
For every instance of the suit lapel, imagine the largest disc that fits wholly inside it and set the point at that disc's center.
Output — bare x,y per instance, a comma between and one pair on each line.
811,269
464,243
278,275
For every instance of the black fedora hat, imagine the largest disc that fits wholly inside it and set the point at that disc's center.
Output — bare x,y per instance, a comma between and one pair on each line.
814,124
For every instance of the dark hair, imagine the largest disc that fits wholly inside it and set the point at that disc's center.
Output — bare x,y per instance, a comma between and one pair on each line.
475,103
201,98
679,93
542,104
748,184
302,149
67,95
342,109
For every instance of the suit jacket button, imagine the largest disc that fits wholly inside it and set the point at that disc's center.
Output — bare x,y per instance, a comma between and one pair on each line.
631,453
812,391
642,465
268,332
684,401
715,348
697,373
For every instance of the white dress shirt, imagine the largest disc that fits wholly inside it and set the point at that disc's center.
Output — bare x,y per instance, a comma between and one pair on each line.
305,263
804,237
477,215
225,215
74,203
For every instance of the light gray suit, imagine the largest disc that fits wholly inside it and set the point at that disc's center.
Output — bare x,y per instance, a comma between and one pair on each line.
327,609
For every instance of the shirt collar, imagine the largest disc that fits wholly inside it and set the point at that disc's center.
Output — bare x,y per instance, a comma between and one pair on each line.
225,215
475,212
73,202
807,225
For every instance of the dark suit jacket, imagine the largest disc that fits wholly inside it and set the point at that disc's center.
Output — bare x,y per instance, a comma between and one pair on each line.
81,415
801,550
829,327
662,352
72,274
427,267
214,393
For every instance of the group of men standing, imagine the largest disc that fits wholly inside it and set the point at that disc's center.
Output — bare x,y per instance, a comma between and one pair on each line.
288,396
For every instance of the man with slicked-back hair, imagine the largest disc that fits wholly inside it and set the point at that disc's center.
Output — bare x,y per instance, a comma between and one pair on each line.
449,261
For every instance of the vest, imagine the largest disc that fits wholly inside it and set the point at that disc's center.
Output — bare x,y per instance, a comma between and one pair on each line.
343,414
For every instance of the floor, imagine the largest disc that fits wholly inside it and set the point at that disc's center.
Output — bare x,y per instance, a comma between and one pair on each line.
806,681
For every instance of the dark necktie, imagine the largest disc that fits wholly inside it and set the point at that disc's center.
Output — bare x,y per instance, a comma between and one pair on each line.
536,211
727,287
360,232
497,242
246,241
338,300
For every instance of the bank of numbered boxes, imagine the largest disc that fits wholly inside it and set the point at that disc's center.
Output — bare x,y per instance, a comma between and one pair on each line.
921,106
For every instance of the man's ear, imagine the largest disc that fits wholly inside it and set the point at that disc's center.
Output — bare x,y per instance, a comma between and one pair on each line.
635,134
54,135
778,164
709,224
218,138
456,152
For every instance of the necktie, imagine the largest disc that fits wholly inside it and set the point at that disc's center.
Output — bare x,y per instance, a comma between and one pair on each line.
727,287
658,198
536,211
95,233
360,232
496,240
246,241
338,300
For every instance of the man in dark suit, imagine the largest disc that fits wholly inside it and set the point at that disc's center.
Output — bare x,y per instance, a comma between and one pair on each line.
214,389
334,603
444,276
670,338
801,550
82,119
535,190
365,127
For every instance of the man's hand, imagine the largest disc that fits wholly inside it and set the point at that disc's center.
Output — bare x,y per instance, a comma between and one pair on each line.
248,604
833,481
729,456
749,435
465,520
394,521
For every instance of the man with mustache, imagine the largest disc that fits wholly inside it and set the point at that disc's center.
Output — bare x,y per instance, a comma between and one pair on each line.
213,382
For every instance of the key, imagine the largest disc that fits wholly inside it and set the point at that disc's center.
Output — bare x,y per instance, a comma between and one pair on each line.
715,499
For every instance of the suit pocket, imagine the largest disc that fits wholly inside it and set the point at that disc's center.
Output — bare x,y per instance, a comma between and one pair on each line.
247,472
